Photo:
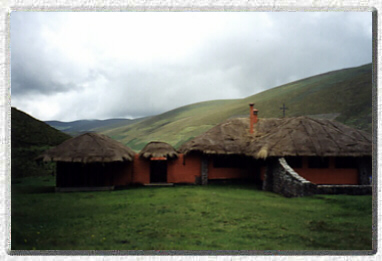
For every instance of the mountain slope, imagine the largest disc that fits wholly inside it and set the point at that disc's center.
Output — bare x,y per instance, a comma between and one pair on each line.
345,95
29,138
27,131
82,126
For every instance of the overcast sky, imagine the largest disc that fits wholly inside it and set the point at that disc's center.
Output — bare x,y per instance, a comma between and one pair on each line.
70,66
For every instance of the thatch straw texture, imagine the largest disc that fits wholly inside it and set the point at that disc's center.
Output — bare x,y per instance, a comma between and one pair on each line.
299,136
229,137
304,136
89,147
158,149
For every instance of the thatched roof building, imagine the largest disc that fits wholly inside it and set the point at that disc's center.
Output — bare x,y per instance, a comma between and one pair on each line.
158,149
298,136
89,147
229,137
304,136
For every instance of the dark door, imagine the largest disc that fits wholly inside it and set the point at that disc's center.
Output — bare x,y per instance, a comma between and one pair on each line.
158,171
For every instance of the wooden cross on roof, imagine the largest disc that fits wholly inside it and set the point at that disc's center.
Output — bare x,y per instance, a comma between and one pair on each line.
284,108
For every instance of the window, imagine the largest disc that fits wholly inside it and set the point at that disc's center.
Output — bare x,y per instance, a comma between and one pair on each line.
294,162
345,163
230,162
318,163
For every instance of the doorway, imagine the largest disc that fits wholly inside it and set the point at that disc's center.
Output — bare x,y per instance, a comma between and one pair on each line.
158,171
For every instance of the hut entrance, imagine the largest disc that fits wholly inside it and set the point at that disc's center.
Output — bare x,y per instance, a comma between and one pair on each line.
158,171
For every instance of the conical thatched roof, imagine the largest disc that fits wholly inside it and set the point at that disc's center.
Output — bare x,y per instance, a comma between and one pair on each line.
89,147
158,149
299,136
229,137
304,136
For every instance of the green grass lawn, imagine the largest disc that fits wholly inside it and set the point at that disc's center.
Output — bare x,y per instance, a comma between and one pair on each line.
213,217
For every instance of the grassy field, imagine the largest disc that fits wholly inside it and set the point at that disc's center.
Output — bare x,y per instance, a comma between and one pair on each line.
213,217
347,94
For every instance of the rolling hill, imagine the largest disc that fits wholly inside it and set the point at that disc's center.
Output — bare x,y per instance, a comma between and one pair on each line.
344,95
81,126
27,131
29,138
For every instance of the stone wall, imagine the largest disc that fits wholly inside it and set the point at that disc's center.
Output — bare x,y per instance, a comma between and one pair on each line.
268,175
282,179
344,189
364,170
204,170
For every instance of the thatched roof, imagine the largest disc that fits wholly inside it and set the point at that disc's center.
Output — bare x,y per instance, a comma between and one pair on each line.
89,147
229,137
299,136
158,149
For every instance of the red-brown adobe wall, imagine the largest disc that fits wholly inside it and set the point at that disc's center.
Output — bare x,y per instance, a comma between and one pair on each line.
177,172
185,169
329,175
141,170
226,173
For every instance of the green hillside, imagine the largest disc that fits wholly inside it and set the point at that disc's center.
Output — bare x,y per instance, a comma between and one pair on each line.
29,138
27,131
75,128
344,95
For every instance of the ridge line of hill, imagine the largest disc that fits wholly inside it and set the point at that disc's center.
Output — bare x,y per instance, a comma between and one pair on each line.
344,95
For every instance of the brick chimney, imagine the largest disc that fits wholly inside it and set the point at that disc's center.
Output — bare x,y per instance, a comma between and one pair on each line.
252,117
255,112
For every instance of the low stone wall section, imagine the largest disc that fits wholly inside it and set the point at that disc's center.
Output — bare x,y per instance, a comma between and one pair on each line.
365,170
282,179
204,170
345,189
83,189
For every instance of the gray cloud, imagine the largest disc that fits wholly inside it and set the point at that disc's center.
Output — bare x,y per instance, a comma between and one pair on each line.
78,70
294,47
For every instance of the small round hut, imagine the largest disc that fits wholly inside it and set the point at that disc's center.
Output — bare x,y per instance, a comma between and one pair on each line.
89,161
160,156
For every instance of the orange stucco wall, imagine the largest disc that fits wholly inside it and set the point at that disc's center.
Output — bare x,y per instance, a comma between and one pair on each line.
184,169
226,173
141,170
329,175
